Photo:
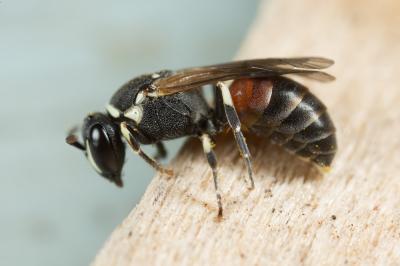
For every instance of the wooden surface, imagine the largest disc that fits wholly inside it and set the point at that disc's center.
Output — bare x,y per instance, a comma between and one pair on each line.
349,216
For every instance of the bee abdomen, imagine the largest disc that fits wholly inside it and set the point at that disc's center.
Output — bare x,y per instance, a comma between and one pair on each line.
298,121
316,143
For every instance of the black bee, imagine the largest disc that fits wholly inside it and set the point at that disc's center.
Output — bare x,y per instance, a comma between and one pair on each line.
167,105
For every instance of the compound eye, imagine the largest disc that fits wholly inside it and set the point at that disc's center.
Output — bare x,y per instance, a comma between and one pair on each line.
103,153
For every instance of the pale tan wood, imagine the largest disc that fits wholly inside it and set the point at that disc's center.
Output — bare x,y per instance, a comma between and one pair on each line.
349,216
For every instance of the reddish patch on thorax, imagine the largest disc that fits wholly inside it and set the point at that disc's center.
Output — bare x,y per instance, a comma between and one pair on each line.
250,98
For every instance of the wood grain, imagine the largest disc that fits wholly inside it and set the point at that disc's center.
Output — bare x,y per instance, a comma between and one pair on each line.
294,216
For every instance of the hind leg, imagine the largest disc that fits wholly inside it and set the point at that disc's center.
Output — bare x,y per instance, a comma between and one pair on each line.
234,123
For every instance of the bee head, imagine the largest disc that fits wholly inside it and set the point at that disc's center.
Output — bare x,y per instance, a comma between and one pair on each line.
102,145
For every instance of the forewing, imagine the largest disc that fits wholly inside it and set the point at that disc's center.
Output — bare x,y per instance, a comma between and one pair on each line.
193,78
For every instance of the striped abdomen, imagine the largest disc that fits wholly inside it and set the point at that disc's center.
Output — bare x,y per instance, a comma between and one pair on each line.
289,114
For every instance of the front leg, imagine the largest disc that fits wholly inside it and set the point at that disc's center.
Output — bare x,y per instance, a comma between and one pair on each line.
129,136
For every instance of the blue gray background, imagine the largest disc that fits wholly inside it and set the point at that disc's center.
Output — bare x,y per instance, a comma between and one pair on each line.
60,60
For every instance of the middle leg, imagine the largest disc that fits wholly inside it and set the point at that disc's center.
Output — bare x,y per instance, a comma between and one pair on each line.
161,151
212,161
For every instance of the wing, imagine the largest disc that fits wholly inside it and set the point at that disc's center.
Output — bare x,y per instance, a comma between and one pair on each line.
193,78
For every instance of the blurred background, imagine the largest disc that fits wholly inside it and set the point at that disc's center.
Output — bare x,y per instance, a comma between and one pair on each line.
61,60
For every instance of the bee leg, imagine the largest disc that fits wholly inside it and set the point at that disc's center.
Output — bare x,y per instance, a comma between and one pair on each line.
161,151
234,123
212,161
220,117
129,136
72,140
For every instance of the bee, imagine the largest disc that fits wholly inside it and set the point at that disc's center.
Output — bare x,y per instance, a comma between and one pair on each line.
253,94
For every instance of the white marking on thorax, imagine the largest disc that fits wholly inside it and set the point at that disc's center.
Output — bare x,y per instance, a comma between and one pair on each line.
226,94
113,111
135,113
153,94
90,158
140,98
155,76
